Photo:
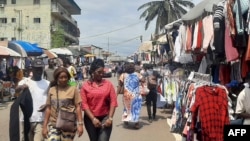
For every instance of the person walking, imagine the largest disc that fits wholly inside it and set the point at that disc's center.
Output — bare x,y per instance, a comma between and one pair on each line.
48,72
38,88
132,100
72,71
151,98
99,102
120,70
68,97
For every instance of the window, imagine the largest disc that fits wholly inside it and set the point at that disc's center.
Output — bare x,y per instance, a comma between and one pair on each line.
3,20
13,20
3,2
13,1
37,20
36,1
13,38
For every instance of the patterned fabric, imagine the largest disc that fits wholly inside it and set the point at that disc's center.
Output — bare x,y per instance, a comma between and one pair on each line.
231,17
132,99
56,135
212,105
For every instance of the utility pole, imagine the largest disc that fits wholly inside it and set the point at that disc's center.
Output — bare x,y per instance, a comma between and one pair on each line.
108,49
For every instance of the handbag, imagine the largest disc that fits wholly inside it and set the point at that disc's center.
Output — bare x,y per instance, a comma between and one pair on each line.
66,120
143,90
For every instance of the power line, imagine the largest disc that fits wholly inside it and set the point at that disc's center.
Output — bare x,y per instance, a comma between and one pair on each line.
125,41
92,36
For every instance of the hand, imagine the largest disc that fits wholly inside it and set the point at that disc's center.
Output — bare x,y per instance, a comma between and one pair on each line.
80,130
97,123
45,133
107,123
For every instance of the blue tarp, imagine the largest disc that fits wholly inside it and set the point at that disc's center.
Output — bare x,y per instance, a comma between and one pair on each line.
31,49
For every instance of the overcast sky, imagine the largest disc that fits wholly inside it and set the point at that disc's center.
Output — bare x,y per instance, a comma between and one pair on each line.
113,25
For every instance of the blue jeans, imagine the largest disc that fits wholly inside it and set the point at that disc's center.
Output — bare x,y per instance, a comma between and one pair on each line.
97,134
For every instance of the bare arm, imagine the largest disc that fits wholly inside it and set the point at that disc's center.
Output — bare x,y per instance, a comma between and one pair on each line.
46,121
79,119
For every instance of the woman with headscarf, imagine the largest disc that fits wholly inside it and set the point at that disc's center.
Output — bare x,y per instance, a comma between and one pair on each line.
99,101
132,99
62,96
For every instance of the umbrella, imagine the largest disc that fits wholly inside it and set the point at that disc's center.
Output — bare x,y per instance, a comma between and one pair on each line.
200,9
49,54
31,49
146,46
17,48
4,51
61,51
89,55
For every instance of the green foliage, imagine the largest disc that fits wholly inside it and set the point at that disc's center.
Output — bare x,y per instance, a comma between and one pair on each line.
57,38
164,11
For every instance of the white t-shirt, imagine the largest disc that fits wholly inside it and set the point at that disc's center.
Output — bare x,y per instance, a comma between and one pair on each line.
38,90
243,104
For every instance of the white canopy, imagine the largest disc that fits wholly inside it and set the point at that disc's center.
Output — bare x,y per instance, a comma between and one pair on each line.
4,51
201,8
61,51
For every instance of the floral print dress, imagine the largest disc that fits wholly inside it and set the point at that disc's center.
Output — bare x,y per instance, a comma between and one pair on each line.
132,100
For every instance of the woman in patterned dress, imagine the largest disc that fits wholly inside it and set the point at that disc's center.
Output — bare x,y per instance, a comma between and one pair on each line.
132,99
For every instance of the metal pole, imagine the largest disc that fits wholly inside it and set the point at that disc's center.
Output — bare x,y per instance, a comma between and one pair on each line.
108,49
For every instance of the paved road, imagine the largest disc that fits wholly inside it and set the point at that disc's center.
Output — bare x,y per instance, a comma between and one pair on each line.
156,131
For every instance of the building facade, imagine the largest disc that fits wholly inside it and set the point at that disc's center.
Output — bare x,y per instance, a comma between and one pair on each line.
36,21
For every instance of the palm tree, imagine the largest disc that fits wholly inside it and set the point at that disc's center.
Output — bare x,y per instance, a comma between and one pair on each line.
165,11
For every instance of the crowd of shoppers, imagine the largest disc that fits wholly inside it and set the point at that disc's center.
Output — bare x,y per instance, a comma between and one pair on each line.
51,91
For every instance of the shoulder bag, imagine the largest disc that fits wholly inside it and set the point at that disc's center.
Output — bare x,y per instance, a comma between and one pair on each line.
66,121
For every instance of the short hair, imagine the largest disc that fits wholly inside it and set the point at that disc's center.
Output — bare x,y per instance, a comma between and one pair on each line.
129,67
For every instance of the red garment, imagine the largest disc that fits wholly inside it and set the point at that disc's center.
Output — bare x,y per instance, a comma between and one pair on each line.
212,104
98,99
200,35
224,74
245,67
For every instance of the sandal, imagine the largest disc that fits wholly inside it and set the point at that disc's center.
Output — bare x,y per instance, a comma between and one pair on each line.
137,126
